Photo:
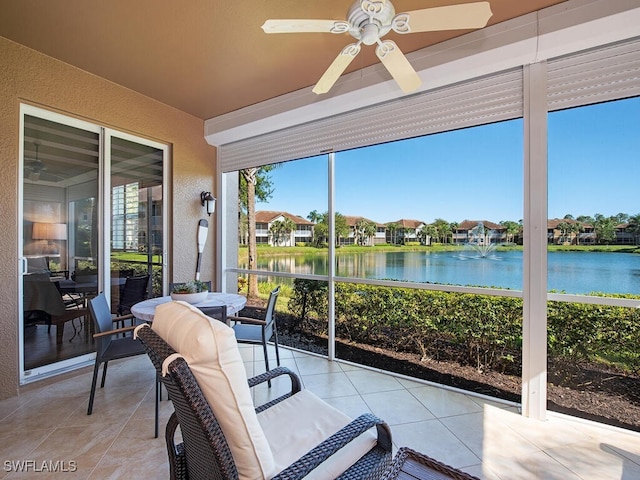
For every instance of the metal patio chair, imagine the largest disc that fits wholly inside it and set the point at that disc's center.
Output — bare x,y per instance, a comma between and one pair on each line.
258,332
111,346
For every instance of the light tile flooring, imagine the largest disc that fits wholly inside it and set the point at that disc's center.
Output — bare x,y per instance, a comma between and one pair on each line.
47,426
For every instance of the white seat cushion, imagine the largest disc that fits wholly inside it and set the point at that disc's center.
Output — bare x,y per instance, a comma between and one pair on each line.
299,423
210,348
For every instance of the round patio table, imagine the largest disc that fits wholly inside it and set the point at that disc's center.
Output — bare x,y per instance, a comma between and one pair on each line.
146,309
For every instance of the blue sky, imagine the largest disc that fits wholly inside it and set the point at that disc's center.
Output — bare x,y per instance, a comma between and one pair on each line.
476,173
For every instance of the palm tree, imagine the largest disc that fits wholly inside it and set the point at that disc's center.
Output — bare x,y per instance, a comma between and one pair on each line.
431,231
393,229
586,219
444,229
409,231
511,229
280,231
370,230
605,228
342,229
578,228
364,229
254,182
249,175
288,226
276,230
453,226
565,228
621,217
314,216
426,233
321,230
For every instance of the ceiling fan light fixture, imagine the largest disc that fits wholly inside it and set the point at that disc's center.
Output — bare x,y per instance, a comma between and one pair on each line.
370,34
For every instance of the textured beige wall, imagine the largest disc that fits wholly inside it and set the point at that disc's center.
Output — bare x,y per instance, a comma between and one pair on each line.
30,77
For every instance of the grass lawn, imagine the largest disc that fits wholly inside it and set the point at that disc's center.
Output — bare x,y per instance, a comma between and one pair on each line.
134,257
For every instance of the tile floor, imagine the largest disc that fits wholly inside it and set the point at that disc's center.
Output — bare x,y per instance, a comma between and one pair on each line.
48,426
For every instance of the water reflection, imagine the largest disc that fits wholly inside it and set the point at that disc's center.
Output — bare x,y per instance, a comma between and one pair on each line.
571,272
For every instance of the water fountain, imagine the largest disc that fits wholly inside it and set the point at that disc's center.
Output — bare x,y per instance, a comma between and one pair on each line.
480,241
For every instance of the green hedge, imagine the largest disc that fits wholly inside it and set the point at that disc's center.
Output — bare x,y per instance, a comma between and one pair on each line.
482,330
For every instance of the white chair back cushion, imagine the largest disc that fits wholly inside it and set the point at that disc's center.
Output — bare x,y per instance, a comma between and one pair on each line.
209,347
300,423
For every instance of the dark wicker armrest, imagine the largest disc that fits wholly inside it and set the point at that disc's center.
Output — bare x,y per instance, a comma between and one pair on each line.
305,464
270,375
252,321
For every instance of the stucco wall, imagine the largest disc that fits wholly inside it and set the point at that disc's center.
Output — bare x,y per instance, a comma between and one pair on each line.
30,77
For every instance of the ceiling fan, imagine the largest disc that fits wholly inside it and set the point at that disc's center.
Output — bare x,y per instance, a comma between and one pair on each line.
37,170
370,20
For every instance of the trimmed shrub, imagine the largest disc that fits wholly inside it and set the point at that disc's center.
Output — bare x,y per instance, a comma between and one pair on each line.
481,330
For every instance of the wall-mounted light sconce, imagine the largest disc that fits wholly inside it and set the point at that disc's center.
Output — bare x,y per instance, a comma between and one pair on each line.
208,201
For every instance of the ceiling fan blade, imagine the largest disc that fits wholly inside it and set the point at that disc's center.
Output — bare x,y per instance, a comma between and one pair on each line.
398,65
451,17
302,26
336,68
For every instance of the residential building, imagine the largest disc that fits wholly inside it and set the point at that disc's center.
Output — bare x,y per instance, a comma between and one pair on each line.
404,230
282,229
358,235
569,231
479,231
624,235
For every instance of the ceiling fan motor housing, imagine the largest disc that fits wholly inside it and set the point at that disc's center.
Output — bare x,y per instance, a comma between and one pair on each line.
370,20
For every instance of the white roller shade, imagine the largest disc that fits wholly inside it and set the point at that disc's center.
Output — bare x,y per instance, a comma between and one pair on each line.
607,73
479,101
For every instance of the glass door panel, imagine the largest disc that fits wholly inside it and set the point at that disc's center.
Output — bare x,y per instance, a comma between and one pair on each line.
59,241
136,222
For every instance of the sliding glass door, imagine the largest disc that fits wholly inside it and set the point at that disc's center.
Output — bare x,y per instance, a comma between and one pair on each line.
92,221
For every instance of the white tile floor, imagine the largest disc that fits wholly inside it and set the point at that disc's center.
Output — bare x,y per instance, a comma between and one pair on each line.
489,439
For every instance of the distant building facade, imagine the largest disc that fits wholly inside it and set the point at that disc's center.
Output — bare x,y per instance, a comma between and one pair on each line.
469,231
285,229
358,237
405,230
282,229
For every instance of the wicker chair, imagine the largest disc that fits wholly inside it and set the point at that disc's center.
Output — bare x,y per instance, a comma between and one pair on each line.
205,453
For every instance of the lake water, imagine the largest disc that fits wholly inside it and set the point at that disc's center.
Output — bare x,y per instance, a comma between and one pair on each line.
571,272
